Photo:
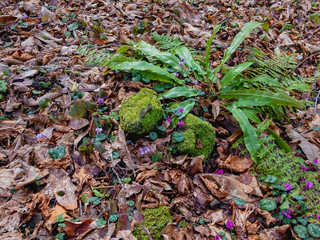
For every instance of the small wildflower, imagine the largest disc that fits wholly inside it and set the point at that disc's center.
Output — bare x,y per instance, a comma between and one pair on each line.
220,171
287,214
318,218
195,82
288,186
180,123
229,224
181,63
276,220
181,109
302,179
182,59
144,150
24,17
217,237
297,154
41,136
303,168
169,119
176,74
100,100
98,130
309,184
315,161
39,25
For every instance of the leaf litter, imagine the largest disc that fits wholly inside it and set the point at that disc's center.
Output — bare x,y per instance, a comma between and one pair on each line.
46,72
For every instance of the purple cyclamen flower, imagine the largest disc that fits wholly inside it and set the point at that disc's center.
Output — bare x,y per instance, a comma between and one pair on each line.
181,63
176,74
318,218
229,224
180,123
41,136
182,59
315,161
169,119
98,130
288,186
309,184
100,100
24,17
217,237
303,168
144,150
39,25
195,82
181,109
287,214
220,171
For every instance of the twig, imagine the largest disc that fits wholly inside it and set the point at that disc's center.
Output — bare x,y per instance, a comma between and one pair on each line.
117,176
316,103
144,229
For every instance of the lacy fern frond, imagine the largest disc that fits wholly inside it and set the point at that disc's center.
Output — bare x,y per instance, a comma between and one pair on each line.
166,42
278,67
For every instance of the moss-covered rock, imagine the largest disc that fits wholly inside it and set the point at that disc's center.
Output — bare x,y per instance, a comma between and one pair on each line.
157,217
140,113
194,129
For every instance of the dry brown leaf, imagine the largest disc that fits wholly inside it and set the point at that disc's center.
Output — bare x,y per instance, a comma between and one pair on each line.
54,214
236,163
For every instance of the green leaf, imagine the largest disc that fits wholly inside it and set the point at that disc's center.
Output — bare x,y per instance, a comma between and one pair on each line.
196,68
187,106
179,92
165,57
268,204
115,154
177,137
280,142
239,201
159,88
262,98
57,152
156,157
36,92
101,221
314,230
101,137
96,192
59,219
3,86
270,179
234,72
84,198
113,217
43,103
73,26
6,72
249,133
301,231
208,47
153,136
238,39
147,70
78,110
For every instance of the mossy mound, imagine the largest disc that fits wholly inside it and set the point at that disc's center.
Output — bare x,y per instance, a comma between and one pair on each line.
194,129
156,219
140,113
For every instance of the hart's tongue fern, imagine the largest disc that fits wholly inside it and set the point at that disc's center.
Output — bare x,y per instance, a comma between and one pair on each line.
166,42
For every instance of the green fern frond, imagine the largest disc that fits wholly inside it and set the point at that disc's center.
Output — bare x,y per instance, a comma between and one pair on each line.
166,42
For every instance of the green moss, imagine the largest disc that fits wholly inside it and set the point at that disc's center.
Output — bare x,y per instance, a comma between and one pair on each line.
196,129
140,113
158,218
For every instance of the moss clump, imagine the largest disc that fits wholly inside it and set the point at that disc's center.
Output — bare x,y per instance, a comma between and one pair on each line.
140,113
196,129
157,219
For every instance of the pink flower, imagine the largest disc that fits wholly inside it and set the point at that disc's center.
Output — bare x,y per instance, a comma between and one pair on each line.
315,161
100,100
303,168
39,25
41,136
181,63
318,218
181,109
229,224
308,184
176,74
182,59
287,214
217,237
288,186
144,150
180,123
98,130
169,119
195,82
220,171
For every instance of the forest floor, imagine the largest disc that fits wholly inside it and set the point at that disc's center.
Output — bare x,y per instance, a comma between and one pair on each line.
51,189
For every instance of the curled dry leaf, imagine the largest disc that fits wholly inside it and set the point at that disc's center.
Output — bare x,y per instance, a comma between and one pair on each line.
310,150
196,165
276,233
236,163
75,229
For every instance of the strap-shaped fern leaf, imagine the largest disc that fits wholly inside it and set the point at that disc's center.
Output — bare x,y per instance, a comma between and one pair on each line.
261,98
